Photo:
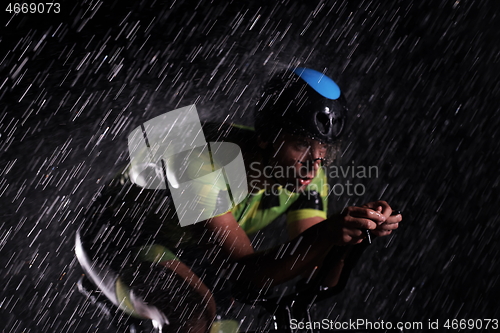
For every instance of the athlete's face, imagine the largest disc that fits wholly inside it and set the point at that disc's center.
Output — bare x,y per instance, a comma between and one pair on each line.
296,160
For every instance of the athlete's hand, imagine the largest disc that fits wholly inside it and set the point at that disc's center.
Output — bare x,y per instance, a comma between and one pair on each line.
391,221
350,226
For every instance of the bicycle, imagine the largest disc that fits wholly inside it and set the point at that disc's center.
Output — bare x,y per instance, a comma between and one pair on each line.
283,310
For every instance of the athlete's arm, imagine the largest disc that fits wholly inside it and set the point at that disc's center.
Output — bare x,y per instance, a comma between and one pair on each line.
298,227
292,258
223,231
378,212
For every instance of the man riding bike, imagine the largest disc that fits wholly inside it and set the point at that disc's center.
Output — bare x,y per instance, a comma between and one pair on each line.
132,247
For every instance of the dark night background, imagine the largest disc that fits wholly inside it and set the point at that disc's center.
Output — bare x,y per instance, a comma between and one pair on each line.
421,79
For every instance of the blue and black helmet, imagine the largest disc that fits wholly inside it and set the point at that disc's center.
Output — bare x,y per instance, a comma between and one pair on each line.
302,102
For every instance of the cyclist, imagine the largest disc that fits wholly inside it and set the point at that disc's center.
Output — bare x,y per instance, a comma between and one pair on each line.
133,249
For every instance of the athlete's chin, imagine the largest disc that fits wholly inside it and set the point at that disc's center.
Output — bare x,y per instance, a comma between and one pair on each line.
297,184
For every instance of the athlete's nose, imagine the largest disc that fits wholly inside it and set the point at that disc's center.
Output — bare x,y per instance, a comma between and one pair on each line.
311,157
316,154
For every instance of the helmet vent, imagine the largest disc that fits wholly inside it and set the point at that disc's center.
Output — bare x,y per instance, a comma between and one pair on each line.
323,123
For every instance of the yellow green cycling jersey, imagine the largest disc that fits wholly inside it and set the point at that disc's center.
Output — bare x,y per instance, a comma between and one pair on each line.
260,209
150,213
142,224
